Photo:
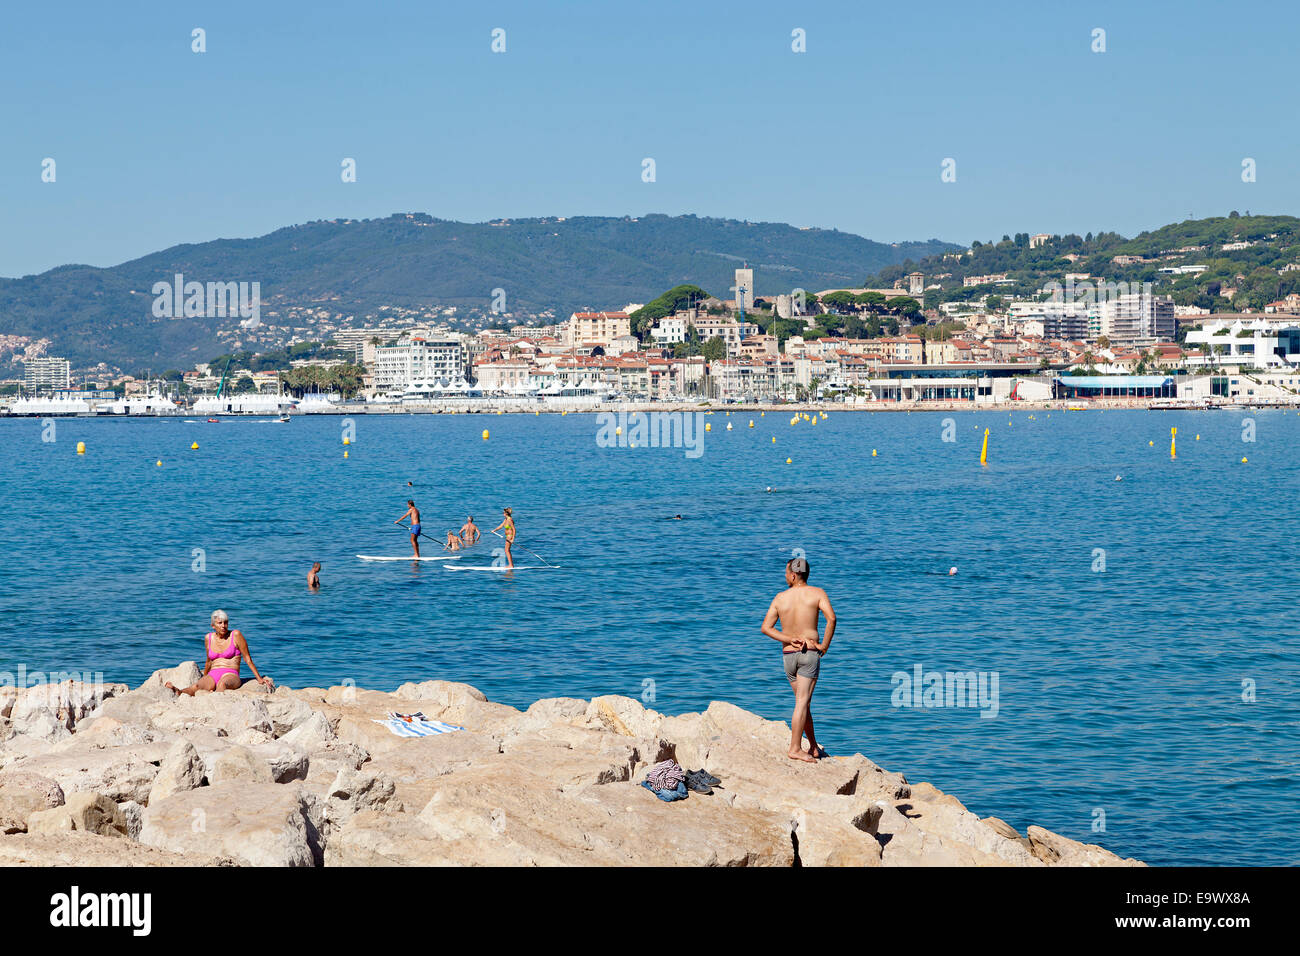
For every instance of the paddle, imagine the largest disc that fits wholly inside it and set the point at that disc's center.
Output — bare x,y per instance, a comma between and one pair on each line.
533,553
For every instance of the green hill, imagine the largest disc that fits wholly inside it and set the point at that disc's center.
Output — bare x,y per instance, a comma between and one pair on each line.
1254,274
416,262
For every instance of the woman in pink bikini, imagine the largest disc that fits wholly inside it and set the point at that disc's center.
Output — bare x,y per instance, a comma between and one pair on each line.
225,649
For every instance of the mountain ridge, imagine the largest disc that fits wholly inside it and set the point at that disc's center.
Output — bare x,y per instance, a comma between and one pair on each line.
412,264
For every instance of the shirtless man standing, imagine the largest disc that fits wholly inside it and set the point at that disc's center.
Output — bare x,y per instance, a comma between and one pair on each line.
797,608
414,514
469,531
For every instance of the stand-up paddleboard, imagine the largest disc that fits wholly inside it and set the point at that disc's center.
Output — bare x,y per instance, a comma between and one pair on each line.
411,557
493,567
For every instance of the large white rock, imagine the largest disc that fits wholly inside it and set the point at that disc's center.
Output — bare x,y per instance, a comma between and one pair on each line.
181,769
255,824
88,812
120,773
310,735
50,711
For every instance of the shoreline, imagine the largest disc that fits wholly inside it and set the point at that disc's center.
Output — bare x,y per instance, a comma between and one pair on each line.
488,407
109,775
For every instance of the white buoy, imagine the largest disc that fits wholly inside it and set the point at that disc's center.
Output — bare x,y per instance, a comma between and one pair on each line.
951,572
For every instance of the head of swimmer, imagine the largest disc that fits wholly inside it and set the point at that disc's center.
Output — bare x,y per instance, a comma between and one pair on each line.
220,622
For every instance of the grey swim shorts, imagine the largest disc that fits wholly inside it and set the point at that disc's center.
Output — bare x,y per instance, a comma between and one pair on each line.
803,664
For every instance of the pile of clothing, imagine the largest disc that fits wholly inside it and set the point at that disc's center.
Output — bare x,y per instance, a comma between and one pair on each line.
668,781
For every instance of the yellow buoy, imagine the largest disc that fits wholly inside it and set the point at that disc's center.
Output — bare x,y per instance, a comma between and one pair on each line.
498,411
763,414
81,448
1151,443
345,453
194,446
1173,447
1198,437
618,430
1243,461
708,426
789,461
773,439
485,434
158,462
873,453
346,441
984,452
751,423
537,412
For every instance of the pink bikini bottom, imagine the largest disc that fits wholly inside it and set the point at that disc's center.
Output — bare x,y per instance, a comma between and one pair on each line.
218,673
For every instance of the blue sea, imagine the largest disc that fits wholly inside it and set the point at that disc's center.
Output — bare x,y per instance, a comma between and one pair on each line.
1142,631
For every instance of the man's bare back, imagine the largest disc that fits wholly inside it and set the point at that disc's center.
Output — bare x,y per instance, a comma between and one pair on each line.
798,608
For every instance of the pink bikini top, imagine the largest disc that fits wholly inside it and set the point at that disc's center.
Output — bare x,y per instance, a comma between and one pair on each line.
231,651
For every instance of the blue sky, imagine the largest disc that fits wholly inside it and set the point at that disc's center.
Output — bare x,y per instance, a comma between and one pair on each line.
156,145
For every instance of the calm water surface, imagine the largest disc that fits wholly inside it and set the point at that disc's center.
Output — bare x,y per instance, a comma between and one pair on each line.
1120,691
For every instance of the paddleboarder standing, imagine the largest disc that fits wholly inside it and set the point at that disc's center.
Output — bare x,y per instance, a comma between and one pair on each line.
413,513
508,522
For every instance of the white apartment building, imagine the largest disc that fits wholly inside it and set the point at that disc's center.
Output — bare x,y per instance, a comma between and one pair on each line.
595,328
47,372
670,330
1128,318
1052,319
1259,343
418,360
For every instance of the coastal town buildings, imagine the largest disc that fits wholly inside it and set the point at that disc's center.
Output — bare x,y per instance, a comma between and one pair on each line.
47,372
418,360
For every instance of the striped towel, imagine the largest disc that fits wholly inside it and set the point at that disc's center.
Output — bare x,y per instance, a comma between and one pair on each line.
416,725
666,775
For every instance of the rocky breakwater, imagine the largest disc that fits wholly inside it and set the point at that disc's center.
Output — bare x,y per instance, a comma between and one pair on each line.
106,775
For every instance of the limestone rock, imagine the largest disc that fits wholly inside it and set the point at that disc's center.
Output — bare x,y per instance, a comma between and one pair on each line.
120,773
326,763
78,849
86,811
241,765
230,712
444,692
185,674
17,804
181,769
623,716
310,735
50,711
1002,828
254,824
287,712
22,778
1056,850
133,814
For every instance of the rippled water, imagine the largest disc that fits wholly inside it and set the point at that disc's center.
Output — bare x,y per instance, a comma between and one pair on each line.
1119,690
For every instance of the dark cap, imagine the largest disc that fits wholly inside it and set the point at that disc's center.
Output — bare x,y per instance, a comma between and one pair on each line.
799,566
